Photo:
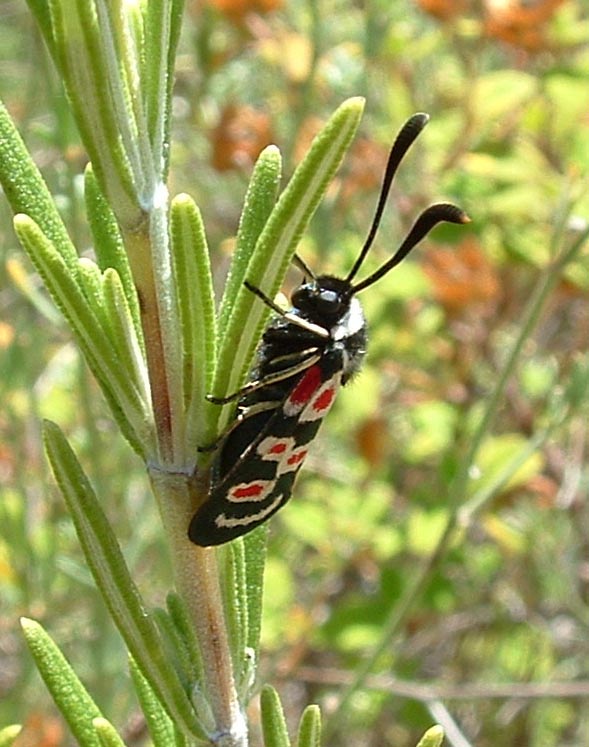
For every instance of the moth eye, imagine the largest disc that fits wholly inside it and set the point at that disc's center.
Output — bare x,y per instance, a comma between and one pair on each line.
329,296
302,294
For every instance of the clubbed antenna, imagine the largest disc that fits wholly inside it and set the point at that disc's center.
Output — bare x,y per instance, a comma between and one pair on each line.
430,217
404,140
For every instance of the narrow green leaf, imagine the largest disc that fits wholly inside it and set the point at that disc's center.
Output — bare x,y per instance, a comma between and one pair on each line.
85,55
90,279
123,49
276,246
162,22
197,312
156,71
8,734
259,202
310,727
27,192
202,708
433,737
108,242
123,334
272,717
40,11
131,411
107,565
233,584
70,696
179,616
107,734
135,21
176,16
158,722
255,544
65,291
180,740
175,647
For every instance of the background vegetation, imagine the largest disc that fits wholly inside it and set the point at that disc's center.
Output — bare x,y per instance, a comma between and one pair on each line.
496,643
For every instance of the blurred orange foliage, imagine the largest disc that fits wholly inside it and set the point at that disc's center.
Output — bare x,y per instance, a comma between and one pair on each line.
516,22
239,137
519,23
373,440
236,9
40,730
443,10
463,277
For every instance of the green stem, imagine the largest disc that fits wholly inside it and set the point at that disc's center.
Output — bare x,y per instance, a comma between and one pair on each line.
197,580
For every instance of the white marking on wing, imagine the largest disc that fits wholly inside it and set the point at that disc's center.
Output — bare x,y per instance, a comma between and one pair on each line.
273,449
229,522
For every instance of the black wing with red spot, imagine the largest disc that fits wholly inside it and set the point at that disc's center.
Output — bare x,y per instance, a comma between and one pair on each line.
261,477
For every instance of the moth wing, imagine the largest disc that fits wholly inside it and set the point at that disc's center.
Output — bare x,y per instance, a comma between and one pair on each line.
261,479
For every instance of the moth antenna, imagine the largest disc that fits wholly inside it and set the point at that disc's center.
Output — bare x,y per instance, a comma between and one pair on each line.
442,211
303,267
404,140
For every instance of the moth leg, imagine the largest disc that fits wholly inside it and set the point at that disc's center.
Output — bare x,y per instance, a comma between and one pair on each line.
298,355
268,380
243,414
315,329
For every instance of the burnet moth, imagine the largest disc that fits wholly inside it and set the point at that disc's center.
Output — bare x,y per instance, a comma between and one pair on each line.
306,354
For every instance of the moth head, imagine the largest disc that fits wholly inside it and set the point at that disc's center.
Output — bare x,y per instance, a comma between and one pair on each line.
325,297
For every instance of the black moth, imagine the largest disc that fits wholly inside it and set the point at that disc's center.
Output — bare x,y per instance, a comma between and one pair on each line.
306,354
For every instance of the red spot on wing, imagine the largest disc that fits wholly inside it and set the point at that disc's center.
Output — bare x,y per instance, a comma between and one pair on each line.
306,387
243,492
297,457
275,449
324,400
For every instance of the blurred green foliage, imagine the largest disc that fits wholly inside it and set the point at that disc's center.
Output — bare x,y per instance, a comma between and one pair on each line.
506,86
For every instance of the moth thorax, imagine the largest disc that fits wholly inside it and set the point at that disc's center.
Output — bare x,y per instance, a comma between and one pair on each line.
351,324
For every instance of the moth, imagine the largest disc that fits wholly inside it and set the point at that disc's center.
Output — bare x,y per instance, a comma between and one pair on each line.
306,354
